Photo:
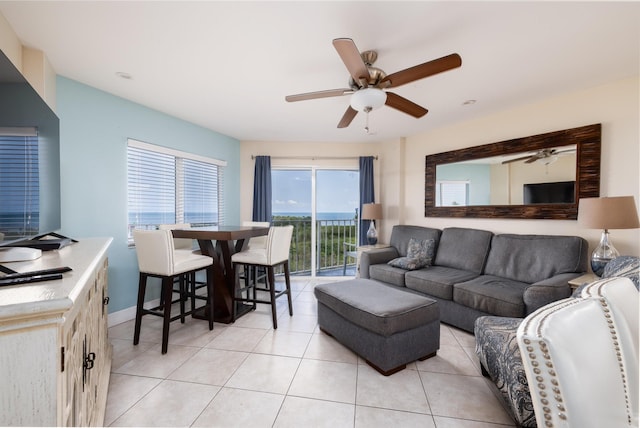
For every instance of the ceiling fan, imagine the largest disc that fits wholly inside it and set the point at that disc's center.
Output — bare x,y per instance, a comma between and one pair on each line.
544,154
368,84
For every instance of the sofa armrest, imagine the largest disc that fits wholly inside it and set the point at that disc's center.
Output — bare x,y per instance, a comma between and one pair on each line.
543,292
374,257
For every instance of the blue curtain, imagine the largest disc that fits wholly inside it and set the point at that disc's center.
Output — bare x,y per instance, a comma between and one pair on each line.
367,193
262,189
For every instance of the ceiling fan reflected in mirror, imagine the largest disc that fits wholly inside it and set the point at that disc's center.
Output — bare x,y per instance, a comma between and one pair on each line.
368,84
547,156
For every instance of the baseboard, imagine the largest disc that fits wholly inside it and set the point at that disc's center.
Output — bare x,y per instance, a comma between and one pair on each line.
128,314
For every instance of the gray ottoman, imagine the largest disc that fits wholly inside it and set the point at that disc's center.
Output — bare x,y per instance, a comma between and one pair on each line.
386,326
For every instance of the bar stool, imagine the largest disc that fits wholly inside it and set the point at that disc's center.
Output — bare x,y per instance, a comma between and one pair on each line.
257,242
158,258
275,253
184,245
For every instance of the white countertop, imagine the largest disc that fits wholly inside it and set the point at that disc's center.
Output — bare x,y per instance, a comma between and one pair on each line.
52,296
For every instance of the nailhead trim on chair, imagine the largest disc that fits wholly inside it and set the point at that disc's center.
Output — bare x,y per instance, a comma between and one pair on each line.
616,344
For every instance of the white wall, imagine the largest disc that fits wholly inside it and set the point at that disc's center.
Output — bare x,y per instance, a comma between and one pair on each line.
401,163
615,105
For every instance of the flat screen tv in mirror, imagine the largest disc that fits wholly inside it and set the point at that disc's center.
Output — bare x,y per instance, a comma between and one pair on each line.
549,193
29,160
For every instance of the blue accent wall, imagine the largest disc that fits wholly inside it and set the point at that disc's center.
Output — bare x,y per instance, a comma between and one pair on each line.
94,128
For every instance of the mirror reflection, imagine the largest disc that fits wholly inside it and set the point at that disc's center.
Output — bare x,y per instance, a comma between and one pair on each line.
544,176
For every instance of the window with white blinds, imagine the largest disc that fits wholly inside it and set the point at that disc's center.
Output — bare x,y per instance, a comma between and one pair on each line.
167,186
19,182
452,193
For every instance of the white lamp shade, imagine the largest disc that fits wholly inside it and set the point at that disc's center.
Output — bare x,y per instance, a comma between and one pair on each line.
368,97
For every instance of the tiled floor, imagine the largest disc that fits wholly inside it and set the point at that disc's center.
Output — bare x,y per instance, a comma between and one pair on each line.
249,375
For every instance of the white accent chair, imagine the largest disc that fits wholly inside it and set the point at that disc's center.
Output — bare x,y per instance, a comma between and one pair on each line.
275,253
579,360
158,258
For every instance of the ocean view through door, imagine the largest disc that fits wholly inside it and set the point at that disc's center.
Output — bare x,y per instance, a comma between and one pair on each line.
322,205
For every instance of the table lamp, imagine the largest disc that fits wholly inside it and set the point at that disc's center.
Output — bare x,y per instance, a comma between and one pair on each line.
372,212
607,213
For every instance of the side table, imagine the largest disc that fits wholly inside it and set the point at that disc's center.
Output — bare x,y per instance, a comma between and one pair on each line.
586,278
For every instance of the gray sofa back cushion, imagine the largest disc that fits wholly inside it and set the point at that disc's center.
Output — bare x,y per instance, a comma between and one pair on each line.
462,248
532,258
401,234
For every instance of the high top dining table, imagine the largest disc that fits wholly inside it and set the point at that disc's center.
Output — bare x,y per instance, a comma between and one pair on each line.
228,241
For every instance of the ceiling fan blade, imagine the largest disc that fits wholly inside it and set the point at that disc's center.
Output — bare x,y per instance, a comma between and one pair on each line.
534,158
516,159
404,105
421,71
347,117
352,60
318,94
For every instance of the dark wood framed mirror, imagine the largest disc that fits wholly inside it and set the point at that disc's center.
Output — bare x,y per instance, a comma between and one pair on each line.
490,184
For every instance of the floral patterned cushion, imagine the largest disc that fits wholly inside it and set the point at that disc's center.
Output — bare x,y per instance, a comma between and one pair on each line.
419,254
498,351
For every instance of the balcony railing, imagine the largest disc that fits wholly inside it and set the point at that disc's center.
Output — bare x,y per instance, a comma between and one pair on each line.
330,238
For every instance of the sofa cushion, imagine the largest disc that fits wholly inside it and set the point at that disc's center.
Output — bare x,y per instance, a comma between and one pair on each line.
533,258
463,248
436,281
419,254
388,274
402,234
492,295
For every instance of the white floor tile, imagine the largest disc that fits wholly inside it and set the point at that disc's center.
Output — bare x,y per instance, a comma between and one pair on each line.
124,392
325,380
209,366
240,408
285,343
400,391
464,397
299,412
371,417
237,339
174,404
265,373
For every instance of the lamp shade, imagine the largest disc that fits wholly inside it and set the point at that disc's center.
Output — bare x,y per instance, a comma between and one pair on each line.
371,98
371,211
608,213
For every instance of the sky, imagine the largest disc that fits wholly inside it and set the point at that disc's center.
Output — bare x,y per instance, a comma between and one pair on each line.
336,191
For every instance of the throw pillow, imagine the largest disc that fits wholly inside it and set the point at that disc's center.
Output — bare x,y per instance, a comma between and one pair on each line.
419,255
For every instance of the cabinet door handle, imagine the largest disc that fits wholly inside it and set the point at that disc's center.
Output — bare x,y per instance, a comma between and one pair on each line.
89,360
105,301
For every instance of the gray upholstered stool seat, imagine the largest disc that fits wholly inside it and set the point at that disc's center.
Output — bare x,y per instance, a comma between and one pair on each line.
387,327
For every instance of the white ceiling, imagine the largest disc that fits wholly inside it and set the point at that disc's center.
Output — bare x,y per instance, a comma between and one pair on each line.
228,65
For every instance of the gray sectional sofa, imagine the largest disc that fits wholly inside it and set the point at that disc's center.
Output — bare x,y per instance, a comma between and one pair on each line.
475,272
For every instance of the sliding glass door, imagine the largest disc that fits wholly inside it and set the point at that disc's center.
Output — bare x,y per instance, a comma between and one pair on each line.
322,205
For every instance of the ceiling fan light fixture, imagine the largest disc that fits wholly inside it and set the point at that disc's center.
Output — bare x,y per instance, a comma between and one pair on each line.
368,99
